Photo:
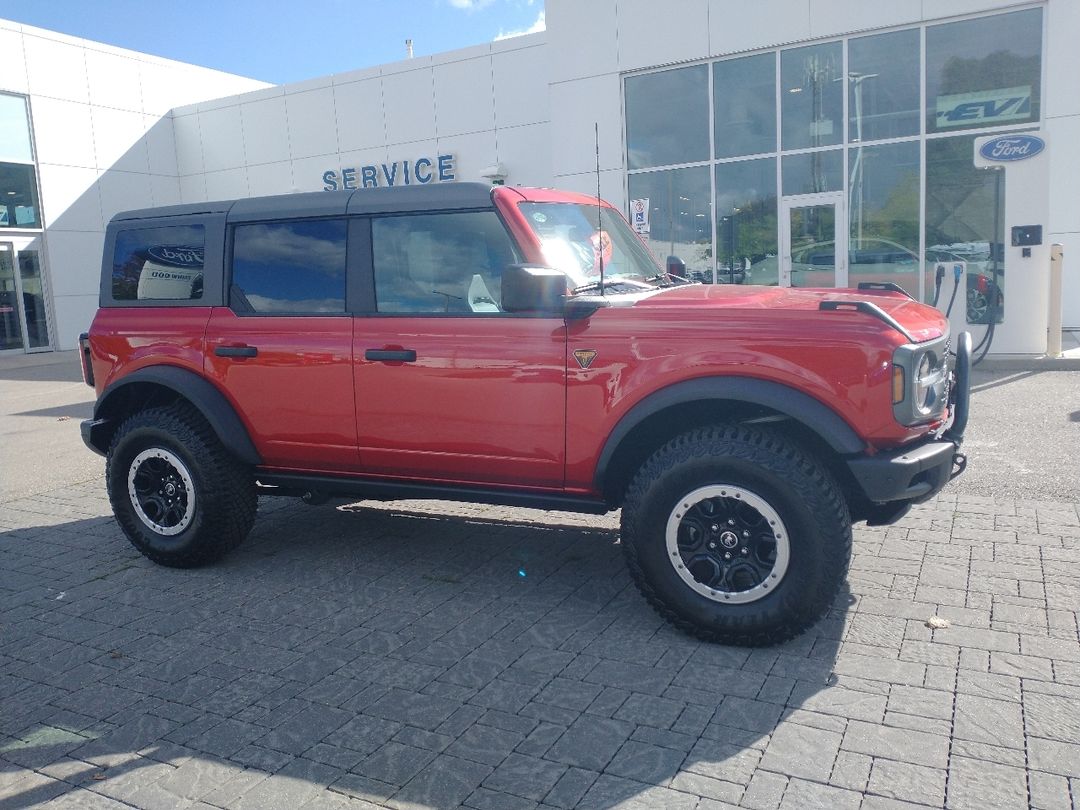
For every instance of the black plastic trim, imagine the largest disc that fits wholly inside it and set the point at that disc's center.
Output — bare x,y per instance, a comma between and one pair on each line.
390,490
88,428
202,394
795,404
907,474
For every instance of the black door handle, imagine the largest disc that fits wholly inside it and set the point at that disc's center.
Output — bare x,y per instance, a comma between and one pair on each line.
235,351
384,355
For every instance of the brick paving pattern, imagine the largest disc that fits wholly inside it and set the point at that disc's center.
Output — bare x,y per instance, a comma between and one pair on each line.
435,655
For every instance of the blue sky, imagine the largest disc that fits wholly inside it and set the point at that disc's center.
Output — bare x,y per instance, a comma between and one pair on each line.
279,41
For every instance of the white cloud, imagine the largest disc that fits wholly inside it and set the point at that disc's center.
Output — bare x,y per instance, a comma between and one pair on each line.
535,28
471,5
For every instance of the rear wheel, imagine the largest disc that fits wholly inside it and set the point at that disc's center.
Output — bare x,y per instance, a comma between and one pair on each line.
734,534
179,496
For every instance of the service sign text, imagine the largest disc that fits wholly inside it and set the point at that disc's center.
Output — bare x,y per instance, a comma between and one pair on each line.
421,171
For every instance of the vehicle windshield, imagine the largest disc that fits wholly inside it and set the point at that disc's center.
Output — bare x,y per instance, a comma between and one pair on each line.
574,239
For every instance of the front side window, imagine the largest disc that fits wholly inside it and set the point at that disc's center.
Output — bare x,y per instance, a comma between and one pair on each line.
440,263
159,264
983,72
289,268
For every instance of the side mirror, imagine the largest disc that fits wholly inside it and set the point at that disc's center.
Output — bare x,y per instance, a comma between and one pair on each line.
533,288
676,266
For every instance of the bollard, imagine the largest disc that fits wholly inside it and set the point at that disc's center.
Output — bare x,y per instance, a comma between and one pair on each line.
1053,321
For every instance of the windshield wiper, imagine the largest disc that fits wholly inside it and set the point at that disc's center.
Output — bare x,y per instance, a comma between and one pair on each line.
610,285
668,280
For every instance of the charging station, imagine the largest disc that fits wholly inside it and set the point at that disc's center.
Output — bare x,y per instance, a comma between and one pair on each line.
1019,266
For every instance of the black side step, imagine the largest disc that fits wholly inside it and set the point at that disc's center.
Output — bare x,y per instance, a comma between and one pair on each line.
384,490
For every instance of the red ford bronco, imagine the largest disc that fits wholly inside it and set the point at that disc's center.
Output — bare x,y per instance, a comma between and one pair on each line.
521,347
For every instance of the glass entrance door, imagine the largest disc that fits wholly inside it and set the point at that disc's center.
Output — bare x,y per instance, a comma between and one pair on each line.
24,323
813,241
11,331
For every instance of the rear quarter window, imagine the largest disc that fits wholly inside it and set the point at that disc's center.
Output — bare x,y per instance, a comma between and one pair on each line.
159,264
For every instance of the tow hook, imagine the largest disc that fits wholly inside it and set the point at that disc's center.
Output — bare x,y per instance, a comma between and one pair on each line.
959,465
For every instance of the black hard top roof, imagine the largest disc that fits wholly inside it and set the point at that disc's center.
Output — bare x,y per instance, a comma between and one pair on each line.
430,197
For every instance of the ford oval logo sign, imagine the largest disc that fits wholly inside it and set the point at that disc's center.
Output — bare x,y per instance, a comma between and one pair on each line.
1012,147
177,255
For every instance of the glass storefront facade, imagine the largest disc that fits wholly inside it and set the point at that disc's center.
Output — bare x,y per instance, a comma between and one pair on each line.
884,122
24,324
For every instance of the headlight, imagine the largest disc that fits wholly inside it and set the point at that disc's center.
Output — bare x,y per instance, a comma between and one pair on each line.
920,381
925,379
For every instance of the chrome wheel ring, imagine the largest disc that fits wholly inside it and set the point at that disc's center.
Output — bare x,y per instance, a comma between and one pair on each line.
161,491
727,544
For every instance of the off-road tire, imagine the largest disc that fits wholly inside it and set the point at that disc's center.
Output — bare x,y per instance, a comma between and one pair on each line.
225,499
802,493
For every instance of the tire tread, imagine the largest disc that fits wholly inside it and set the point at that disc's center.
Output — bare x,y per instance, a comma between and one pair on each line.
229,500
807,478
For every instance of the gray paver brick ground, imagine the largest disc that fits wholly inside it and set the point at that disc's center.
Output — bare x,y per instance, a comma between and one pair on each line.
392,656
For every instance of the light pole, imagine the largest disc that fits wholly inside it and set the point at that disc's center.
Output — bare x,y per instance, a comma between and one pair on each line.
857,173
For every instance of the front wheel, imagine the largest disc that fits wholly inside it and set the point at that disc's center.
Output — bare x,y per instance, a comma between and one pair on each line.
179,496
734,534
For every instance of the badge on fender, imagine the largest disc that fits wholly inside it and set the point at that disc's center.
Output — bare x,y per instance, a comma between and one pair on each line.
584,357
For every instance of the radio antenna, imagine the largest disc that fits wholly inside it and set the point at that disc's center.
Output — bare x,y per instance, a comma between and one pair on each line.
599,208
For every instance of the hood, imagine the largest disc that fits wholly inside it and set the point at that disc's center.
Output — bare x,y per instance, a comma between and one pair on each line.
921,321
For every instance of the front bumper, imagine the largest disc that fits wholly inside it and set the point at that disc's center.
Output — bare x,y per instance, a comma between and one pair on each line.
917,472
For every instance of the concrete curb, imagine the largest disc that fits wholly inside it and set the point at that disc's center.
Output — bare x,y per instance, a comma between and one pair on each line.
1024,362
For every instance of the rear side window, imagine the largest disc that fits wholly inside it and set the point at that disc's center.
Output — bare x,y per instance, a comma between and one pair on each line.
289,268
159,264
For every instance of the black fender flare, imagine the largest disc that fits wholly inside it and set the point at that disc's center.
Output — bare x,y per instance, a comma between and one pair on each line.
206,397
802,408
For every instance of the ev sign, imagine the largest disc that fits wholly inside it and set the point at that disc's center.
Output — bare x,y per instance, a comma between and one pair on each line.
986,107
1007,148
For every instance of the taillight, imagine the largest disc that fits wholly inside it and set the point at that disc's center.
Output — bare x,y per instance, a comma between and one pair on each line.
84,357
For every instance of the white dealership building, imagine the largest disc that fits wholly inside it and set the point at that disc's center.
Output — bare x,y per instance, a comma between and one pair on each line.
781,141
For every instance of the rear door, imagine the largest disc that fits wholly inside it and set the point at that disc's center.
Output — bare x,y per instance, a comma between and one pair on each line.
281,349
448,386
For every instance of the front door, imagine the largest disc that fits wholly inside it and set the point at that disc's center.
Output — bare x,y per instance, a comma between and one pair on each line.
448,386
24,324
813,232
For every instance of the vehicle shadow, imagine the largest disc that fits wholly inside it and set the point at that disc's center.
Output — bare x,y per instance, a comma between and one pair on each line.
76,410
409,652
57,367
